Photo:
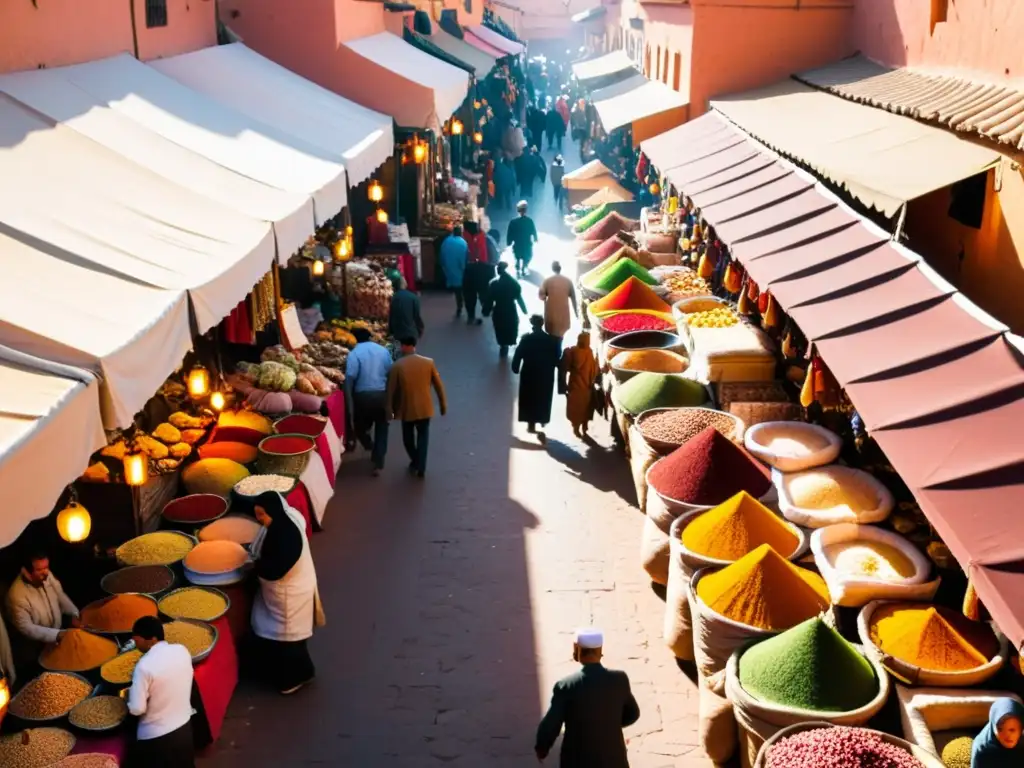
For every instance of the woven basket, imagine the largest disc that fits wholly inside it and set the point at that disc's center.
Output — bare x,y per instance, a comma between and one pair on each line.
274,459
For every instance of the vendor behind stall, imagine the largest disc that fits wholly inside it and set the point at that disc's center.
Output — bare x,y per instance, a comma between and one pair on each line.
161,697
287,605
37,607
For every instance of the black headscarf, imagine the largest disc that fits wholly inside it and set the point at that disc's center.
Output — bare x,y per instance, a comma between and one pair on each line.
282,546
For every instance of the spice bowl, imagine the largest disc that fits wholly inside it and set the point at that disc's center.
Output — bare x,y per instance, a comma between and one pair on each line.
153,575
817,517
15,704
769,498
208,628
636,340
126,630
933,678
116,703
301,424
194,510
927,759
699,414
157,548
284,454
217,592
623,375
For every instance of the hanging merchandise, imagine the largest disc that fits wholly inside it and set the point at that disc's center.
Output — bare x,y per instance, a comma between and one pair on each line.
771,313
762,301
264,305
706,267
745,306
753,292
807,390
733,279
788,347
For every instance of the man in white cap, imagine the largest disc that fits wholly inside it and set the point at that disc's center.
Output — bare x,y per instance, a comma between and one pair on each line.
594,705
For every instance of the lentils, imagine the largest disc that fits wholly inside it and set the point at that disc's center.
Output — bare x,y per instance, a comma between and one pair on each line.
147,579
49,696
194,603
838,747
99,713
35,748
119,671
159,548
196,637
680,424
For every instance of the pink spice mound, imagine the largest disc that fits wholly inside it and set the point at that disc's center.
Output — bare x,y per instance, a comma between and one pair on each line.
708,469
603,251
838,747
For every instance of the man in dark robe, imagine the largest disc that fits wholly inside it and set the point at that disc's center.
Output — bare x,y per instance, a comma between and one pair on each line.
506,297
593,705
536,361
521,235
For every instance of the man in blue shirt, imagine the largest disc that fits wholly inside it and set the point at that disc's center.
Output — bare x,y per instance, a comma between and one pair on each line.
454,257
366,384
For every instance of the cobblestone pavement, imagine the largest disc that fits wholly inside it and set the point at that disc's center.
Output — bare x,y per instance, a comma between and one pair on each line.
451,601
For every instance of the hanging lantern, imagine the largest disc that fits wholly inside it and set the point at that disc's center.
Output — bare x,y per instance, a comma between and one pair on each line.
456,127
342,250
771,313
376,192
382,216
478,138
217,401
655,188
419,152
477,104
807,390
348,231
744,306
732,280
73,523
318,268
788,347
5,694
198,382
136,469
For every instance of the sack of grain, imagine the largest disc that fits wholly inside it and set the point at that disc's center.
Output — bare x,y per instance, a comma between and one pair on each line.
654,552
927,711
641,457
716,723
677,629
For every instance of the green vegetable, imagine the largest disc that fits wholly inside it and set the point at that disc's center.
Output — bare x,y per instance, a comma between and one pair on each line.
276,377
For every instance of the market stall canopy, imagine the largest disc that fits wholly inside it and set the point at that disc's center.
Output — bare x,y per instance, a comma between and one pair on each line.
479,44
299,109
49,426
499,41
882,159
595,176
187,139
417,89
58,187
649,106
592,170
608,195
482,63
992,110
57,307
604,70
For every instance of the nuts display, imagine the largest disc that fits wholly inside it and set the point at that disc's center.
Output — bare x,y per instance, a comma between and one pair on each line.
680,424
196,637
119,670
35,748
99,713
49,696
194,603
159,548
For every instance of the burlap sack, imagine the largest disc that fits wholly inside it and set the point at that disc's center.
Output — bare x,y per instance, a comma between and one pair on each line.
758,721
678,626
716,723
654,551
715,638
641,457
624,422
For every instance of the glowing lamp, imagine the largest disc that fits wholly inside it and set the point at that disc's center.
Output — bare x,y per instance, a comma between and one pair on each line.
217,401
419,152
342,251
348,231
655,188
382,216
477,104
456,127
198,382
478,138
136,469
73,524
318,268
5,693
376,192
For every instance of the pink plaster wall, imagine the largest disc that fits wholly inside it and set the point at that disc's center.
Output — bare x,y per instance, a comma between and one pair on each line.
979,35
749,43
63,32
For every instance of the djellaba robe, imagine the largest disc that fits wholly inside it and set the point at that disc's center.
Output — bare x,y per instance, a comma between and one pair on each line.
579,374
507,300
536,360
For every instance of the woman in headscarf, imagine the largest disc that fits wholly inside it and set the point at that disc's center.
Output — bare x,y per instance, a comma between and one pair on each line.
999,745
536,360
506,296
287,605
578,376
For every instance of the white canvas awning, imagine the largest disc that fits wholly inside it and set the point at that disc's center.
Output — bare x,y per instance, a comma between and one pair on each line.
498,40
603,66
49,426
649,106
418,89
241,79
188,139
57,307
480,61
66,190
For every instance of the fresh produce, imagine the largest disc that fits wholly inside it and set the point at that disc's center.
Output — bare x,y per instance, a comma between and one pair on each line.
167,433
276,377
193,603
183,420
369,290
723,317
324,353
50,695
217,476
278,354
99,713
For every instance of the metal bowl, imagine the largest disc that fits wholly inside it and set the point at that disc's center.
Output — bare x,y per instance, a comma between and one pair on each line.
104,587
213,644
121,631
223,579
192,539
218,507
99,729
71,746
80,672
13,704
117,686
227,602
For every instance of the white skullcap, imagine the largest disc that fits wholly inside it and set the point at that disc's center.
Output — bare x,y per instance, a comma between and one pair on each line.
589,638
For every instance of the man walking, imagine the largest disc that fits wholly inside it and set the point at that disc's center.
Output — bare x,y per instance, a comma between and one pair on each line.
593,705
408,399
366,383
404,317
454,257
521,235
559,295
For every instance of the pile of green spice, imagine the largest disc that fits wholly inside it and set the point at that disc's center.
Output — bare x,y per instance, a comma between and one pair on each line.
809,667
618,273
649,390
591,218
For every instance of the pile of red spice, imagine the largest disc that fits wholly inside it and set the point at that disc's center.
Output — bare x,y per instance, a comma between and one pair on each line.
635,321
708,469
603,251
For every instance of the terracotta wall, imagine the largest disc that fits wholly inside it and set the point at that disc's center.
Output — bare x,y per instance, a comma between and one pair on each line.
63,32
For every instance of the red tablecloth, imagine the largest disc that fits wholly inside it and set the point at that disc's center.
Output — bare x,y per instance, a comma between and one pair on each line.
217,676
115,744
323,448
407,266
299,498
239,615
336,411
